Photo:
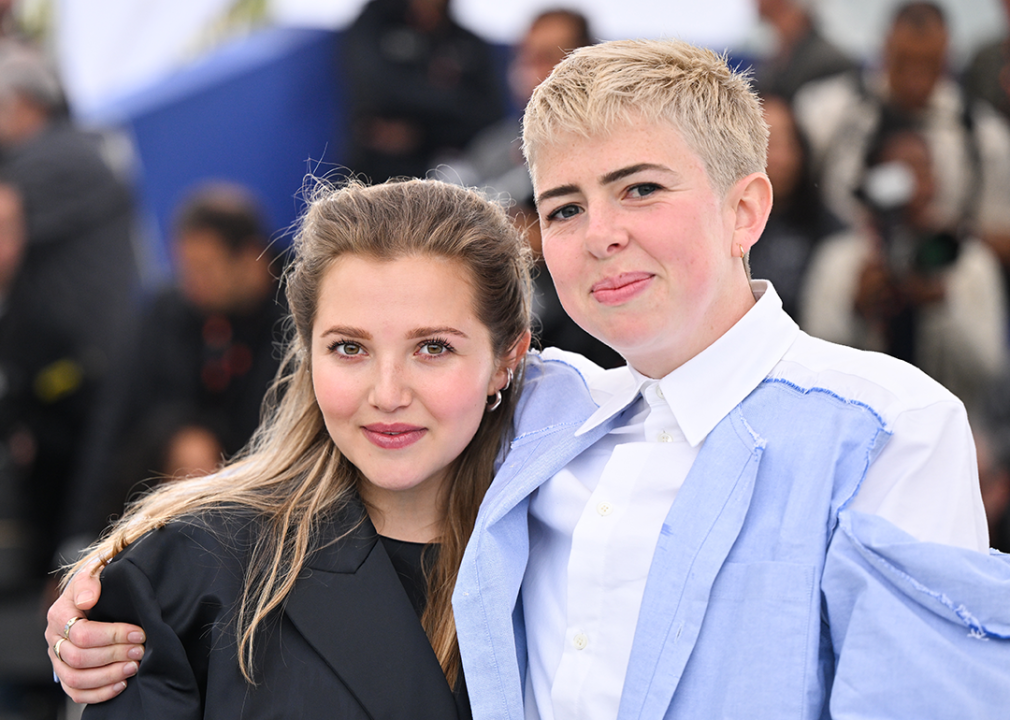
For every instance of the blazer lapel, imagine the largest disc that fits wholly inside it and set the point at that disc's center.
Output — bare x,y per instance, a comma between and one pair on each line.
699,532
350,607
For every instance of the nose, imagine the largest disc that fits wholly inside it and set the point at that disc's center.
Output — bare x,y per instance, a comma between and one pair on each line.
605,234
390,391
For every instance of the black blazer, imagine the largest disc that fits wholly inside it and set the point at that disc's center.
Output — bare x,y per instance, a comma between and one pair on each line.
348,643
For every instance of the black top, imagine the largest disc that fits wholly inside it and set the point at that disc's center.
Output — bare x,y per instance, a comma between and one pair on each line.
346,644
409,560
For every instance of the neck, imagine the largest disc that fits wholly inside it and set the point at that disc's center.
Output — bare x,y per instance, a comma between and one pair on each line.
414,515
659,362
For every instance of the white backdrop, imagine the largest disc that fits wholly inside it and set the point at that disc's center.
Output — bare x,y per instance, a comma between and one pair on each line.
107,48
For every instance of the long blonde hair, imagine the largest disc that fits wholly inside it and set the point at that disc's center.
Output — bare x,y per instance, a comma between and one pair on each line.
291,474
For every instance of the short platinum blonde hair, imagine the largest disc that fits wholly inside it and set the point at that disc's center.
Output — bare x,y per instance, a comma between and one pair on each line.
599,87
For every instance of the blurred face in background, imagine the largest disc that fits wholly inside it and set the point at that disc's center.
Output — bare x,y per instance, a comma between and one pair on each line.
192,451
546,43
916,56
785,153
212,276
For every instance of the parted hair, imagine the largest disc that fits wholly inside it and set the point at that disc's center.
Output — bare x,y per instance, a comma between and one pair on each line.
600,87
292,475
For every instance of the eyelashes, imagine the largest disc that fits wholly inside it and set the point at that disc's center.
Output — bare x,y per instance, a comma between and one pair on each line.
433,347
443,345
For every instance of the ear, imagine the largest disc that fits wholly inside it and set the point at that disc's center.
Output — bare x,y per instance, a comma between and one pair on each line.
750,199
510,361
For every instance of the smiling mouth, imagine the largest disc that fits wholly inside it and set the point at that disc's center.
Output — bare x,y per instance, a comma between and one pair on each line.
393,437
620,288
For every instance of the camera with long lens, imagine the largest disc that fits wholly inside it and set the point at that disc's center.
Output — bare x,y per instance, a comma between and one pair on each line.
886,191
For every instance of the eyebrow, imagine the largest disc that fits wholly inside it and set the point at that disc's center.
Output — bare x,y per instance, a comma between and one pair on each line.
348,331
423,332
607,179
620,174
415,334
557,192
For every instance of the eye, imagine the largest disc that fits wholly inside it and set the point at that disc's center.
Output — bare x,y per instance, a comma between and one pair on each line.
643,189
435,346
346,348
564,212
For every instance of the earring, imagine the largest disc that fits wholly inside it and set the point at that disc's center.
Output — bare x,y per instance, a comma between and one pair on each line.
740,248
497,393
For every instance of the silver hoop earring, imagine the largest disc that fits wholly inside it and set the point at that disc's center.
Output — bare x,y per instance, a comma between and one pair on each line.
497,393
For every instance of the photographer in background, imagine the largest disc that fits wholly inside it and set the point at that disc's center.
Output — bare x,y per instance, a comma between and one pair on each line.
905,284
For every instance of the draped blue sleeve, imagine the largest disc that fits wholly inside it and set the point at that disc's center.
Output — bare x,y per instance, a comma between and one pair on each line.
919,629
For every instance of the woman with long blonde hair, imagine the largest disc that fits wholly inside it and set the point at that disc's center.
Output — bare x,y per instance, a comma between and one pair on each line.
312,575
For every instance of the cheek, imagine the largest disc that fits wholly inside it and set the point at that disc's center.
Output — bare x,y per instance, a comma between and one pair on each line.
457,402
562,263
335,395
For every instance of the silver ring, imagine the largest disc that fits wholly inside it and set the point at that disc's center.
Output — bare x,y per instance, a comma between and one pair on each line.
70,624
56,648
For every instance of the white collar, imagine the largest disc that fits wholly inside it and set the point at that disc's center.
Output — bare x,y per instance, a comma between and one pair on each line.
702,391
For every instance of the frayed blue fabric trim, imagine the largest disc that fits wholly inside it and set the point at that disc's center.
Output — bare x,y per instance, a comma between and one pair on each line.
975,627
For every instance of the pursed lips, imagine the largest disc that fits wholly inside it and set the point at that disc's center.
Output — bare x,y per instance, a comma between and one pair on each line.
620,288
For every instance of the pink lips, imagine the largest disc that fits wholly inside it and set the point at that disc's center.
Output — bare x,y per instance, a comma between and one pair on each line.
620,288
394,436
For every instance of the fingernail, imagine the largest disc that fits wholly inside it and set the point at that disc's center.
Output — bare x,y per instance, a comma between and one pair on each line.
121,686
84,597
130,670
136,653
136,637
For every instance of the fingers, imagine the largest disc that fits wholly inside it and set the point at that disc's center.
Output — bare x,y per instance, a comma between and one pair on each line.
59,614
94,644
94,685
94,696
85,587
95,658
83,633
101,636
90,675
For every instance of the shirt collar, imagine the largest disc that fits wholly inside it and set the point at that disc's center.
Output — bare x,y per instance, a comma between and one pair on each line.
702,391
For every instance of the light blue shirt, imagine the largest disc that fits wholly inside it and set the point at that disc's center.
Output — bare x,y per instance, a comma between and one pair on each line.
748,609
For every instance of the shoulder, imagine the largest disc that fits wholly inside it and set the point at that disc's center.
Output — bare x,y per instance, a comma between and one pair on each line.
884,385
555,369
191,545
834,89
179,579
556,389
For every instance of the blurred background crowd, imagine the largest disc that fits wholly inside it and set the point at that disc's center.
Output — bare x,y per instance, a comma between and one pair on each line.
148,180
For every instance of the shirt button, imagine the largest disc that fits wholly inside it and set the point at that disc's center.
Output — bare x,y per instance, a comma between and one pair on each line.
580,641
659,392
665,437
605,508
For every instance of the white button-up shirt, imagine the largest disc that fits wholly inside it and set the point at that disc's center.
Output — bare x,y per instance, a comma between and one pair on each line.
594,525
